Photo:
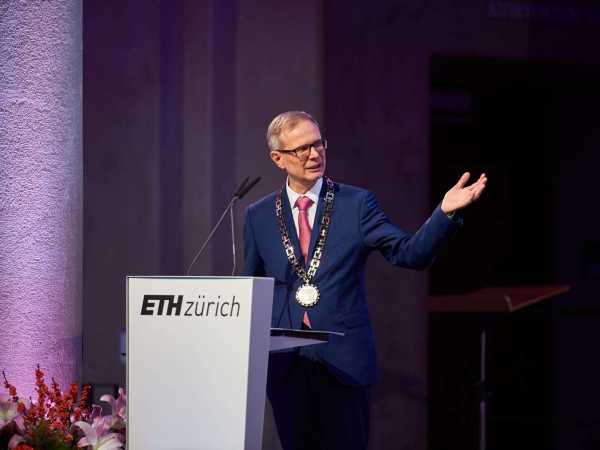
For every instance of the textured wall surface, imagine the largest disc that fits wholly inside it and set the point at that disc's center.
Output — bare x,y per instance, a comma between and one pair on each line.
40,190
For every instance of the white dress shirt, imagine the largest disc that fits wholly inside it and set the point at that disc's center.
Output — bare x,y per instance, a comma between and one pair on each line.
313,194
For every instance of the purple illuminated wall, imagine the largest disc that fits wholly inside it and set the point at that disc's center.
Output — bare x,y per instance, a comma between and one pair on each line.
40,190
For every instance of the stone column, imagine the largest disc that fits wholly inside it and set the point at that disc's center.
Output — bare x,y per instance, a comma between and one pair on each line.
41,195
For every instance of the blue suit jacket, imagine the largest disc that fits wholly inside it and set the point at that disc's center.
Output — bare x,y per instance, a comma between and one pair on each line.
358,226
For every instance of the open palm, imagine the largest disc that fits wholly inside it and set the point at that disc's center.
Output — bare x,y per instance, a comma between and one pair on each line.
461,195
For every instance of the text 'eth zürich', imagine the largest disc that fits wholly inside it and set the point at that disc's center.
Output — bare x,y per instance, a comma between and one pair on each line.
176,305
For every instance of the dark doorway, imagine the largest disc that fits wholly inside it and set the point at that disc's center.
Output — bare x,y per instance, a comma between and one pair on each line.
496,117
520,122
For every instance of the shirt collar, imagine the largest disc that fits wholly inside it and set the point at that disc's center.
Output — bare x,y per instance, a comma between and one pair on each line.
313,193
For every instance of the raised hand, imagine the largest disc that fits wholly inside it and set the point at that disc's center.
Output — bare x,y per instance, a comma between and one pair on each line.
460,195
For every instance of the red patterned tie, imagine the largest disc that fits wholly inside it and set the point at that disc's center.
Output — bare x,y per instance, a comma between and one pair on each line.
303,203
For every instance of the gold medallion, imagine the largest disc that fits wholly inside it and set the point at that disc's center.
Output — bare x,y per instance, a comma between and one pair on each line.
307,295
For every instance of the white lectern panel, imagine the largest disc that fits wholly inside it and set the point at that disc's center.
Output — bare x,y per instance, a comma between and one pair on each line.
197,362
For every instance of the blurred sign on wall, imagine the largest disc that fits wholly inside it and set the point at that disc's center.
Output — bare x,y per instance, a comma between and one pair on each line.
565,12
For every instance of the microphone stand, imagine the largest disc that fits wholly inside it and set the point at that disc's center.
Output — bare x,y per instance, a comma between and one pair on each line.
239,193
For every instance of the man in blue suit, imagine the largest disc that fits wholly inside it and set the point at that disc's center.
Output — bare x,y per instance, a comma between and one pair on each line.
313,237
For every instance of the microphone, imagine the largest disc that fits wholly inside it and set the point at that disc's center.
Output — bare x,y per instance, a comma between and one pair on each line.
242,186
240,192
243,190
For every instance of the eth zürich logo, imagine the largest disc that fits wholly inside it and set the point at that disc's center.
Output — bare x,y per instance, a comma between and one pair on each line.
175,305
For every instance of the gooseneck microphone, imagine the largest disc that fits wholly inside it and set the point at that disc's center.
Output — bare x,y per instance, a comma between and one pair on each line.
237,195
244,189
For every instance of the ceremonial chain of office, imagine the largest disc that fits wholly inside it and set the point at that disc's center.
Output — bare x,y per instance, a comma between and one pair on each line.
307,295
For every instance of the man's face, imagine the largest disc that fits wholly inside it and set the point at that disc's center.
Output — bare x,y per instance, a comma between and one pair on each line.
303,172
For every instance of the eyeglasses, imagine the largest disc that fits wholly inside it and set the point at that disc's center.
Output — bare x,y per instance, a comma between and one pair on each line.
302,152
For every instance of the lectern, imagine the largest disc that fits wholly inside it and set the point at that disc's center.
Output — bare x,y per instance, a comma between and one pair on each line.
197,354
494,300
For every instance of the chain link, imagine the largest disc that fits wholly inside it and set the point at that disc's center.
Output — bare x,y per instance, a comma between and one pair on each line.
306,276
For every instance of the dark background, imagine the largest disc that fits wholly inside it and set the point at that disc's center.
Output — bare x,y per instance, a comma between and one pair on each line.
178,94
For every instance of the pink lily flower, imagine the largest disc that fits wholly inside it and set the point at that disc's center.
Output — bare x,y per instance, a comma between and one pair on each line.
97,437
118,405
15,440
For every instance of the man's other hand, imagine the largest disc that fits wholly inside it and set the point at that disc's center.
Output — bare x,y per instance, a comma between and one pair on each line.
461,195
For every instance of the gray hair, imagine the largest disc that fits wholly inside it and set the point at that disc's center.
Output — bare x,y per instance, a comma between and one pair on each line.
284,122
